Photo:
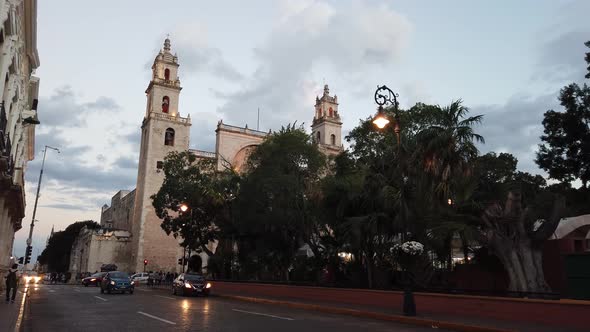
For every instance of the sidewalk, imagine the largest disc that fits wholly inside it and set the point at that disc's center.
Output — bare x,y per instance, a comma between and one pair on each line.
9,313
442,321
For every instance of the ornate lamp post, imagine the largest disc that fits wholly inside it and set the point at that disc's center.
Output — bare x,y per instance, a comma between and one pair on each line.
384,96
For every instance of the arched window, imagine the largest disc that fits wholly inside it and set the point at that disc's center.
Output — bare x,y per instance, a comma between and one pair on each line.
333,139
169,137
331,112
167,74
318,136
165,104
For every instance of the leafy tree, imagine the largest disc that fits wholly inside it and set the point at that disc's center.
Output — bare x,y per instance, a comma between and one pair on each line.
565,153
587,58
57,253
447,146
273,201
192,182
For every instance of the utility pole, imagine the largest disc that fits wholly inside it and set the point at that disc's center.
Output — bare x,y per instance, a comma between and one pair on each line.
30,239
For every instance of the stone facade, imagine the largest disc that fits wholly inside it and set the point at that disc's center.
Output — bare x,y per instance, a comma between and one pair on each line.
95,247
120,214
326,127
164,131
18,116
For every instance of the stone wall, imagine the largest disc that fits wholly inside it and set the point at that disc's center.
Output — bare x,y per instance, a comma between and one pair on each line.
93,248
120,214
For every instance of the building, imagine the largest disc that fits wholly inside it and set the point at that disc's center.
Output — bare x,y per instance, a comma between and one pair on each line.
93,248
18,115
119,215
164,130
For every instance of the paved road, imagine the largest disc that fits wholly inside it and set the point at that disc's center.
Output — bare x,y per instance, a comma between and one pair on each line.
73,308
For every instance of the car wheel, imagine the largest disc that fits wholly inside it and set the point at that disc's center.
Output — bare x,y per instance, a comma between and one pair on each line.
109,290
101,290
173,290
85,285
130,292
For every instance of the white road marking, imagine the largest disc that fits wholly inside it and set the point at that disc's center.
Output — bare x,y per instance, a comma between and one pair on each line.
51,291
143,289
166,297
100,298
156,317
261,314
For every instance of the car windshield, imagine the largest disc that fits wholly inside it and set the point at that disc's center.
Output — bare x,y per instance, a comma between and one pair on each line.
99,274
193,277
119,275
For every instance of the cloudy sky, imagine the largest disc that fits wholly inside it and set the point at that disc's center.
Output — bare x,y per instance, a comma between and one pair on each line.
505,59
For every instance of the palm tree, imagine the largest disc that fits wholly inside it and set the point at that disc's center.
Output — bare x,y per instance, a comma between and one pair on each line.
447,147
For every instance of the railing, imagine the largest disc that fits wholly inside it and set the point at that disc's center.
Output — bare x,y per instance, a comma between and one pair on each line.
164,116
242,130
203,154
167,82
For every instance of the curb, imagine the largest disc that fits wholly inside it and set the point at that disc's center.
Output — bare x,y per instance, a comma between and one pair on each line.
373,315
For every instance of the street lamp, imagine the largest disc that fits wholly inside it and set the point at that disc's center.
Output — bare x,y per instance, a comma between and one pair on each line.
183,207
384,96
30,239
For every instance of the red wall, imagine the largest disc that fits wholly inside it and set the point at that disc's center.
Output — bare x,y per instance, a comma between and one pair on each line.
564,313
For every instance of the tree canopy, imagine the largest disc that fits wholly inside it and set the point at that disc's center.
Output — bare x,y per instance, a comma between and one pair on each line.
57,253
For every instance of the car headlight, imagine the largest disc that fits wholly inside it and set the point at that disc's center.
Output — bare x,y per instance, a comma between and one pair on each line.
208,285
93,279
27,279
113,283
187,285
37,279
132,282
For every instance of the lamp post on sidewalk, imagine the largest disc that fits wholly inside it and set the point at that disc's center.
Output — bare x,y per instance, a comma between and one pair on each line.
384,96
30,238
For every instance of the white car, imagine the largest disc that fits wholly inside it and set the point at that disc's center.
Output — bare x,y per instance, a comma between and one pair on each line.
140,277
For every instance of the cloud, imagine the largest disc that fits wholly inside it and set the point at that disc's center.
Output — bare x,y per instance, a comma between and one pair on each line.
515,126
126,162
190,42
62,108
352,39
561,51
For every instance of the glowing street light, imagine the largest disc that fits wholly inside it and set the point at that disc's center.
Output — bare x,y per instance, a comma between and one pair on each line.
183,207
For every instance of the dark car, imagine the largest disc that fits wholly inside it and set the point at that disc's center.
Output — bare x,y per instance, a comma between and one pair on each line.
117,281
191,284
94,279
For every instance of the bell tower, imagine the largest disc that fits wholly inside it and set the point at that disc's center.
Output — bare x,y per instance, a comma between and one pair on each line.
163,130
326,126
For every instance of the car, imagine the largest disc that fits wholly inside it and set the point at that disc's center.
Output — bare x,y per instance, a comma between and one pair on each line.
31,278
191,284
94,279
140,277
117,281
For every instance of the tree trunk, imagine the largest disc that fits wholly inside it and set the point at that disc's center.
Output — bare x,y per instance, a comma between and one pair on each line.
523,263
370,268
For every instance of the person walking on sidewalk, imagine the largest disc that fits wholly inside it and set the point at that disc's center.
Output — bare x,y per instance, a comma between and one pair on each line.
11,283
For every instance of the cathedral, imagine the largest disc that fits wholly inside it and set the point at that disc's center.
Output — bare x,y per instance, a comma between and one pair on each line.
131,236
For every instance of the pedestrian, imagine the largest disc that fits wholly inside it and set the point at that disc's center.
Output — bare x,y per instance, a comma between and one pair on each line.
11,283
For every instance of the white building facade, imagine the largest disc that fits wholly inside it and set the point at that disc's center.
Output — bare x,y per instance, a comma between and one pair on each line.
19,90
